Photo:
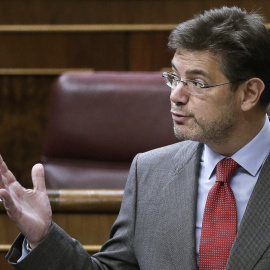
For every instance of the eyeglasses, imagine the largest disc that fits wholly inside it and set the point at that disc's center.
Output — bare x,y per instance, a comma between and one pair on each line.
193,87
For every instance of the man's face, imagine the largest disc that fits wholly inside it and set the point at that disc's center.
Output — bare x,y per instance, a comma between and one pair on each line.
211,118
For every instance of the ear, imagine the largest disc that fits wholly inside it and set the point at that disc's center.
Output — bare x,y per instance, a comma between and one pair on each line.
252,90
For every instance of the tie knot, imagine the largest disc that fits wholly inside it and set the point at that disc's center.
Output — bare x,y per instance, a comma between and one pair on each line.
225,169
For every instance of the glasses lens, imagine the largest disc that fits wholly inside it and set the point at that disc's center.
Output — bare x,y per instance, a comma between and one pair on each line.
194,87
167,78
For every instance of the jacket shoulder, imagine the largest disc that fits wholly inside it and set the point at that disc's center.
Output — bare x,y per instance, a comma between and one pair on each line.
183,148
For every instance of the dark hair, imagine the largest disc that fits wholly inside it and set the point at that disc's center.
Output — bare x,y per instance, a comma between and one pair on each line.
240,38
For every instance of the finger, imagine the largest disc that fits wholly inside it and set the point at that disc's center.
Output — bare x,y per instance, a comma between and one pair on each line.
5,197
3,165
6,172
13,212
2,194
2,181
9,177
38,177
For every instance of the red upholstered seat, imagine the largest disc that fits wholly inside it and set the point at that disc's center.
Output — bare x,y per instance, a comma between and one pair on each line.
98,122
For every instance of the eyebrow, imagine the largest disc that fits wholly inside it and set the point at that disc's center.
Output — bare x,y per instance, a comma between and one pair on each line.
198,72
174,67
193,72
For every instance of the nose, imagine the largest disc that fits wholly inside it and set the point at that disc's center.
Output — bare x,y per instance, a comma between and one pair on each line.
179,95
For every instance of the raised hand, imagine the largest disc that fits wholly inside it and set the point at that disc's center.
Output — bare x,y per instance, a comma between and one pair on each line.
29,208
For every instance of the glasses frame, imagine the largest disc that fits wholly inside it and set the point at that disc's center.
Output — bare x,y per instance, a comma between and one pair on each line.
165,76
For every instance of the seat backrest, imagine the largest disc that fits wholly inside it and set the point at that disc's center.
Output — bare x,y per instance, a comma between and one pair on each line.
98,122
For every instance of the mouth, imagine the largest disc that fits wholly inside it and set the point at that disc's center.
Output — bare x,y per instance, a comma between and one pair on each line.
179,117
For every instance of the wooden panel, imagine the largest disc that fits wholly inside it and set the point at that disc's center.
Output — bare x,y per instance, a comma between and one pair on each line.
4,264
90,229
78,28
63,50
86,215
87,228
86,200
116,51
39,71
148,51
8,230
112,11
23,102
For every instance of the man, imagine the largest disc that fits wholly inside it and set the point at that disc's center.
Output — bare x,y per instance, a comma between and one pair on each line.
220,91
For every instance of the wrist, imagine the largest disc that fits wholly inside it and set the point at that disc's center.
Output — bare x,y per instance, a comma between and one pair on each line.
30,246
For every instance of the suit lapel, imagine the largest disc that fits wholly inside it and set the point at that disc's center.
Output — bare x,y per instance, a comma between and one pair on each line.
253,237
179,200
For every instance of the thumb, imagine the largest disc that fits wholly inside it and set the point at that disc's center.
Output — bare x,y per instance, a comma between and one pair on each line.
38,177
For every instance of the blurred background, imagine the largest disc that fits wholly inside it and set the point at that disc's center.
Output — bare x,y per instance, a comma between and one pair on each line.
40,39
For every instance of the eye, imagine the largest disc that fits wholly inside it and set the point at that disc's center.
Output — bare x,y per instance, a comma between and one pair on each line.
198,84
171,76
185,83
174,76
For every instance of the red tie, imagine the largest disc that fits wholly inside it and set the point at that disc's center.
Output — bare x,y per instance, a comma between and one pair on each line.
219,220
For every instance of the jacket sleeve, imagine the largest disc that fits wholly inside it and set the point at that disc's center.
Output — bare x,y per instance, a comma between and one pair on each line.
59,251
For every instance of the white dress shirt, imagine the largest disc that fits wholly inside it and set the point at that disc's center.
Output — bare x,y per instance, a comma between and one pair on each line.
251,158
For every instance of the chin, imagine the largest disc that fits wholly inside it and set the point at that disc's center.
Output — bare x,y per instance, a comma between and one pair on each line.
184,133
181,133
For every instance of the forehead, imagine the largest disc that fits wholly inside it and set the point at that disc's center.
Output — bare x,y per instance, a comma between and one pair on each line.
203,63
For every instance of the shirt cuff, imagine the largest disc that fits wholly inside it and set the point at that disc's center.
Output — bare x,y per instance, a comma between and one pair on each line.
25,250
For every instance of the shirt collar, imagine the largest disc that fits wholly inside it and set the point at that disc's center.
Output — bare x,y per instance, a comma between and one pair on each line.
259,146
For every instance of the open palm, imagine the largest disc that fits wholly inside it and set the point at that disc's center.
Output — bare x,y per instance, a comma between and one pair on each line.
29,208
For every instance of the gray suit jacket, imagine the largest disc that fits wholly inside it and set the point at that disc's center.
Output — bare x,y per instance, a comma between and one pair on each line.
155,228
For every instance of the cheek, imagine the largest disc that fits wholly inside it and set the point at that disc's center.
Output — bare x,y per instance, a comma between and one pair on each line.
201,108
207,112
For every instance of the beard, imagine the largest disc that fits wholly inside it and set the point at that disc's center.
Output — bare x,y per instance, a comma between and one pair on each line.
216,131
